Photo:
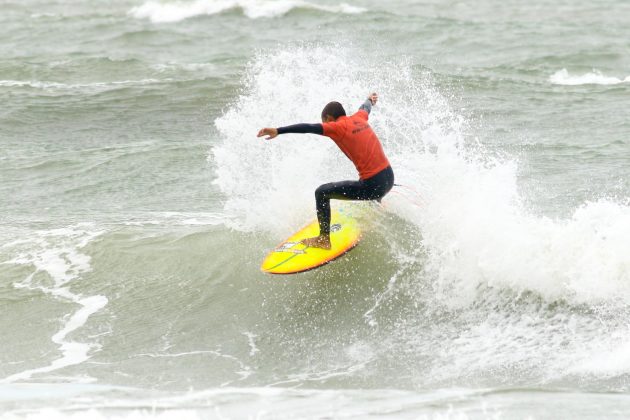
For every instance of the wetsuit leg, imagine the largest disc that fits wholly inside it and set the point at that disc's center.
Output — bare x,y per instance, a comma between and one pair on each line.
373,188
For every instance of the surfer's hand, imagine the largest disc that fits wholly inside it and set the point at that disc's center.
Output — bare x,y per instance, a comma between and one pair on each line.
269,132
373,98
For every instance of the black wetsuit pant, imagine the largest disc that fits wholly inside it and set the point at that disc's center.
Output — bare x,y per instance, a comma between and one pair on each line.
373,188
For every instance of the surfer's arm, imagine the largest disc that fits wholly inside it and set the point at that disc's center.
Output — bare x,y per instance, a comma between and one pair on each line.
296,128
367,106
302,129
369,102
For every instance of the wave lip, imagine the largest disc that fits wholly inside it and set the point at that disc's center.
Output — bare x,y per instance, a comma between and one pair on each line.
562,77
254,9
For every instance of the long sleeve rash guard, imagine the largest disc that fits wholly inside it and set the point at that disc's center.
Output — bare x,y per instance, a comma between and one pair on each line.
316,128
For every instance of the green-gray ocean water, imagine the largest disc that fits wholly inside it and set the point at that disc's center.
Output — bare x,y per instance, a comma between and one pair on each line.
137,204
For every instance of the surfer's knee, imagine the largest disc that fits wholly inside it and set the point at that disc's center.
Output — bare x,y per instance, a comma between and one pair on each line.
322,191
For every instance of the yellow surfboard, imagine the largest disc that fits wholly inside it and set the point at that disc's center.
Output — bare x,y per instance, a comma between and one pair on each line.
291,256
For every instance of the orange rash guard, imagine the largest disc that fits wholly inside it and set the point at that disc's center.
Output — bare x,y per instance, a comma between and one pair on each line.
357,140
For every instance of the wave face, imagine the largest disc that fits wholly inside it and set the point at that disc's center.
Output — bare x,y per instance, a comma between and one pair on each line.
253,9
460,252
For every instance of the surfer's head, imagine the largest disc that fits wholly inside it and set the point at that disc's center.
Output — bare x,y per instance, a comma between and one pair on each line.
332,111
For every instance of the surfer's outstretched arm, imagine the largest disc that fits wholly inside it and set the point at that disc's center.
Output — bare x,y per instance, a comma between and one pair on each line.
369,102
302,128
296,128
330,113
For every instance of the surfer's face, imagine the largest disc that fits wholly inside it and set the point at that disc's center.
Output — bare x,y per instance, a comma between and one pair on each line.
328,118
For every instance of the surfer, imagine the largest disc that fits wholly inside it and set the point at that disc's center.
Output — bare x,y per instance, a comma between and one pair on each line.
355,138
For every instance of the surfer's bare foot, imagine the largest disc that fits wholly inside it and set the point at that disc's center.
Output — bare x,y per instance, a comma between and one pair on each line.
318,242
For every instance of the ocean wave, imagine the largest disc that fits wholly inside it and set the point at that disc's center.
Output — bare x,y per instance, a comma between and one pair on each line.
188,67
82,87
180,218
562,77
177,11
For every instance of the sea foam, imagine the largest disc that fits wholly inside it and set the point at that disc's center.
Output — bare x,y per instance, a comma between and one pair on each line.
57,253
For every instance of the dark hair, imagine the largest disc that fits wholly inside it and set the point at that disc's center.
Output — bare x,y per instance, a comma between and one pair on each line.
334,109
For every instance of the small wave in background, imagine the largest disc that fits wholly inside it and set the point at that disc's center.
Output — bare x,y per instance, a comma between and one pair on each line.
562,77
253,9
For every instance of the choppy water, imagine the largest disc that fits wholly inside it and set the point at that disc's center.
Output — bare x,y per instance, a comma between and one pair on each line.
137,205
